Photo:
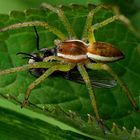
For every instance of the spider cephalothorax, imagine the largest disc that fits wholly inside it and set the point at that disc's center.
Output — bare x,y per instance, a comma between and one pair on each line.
72,50
73,54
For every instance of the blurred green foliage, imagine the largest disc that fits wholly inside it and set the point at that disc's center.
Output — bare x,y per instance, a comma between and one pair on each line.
9,5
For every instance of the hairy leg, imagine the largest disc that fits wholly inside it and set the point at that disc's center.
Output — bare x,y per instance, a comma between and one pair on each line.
52,29
105,22
90,33
118,17
89,21
51,58
89,28
62,17
30,66
85,76
100,66
41,79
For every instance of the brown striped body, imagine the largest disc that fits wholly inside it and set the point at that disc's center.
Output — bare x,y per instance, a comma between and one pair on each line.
104,52
72,50
76,51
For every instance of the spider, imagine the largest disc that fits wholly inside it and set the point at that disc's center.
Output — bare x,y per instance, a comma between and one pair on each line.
71,53
73,75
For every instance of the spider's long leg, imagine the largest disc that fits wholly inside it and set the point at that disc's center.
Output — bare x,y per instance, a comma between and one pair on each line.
52,29
89,21
51,58
118,17
105,22
41,79
62,17
85,76
91,37
28,66
124,87
89,28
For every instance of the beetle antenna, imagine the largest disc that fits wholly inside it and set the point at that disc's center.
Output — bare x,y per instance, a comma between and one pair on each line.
28,55
25,54
37,38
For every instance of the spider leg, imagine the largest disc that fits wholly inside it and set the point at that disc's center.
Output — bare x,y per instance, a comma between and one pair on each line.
29,66
89,28
118,17
62,17
85,76
100,66
91,37
51,58
52,29
41,79
105,22
89,21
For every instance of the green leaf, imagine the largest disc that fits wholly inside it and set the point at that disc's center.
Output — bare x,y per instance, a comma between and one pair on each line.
20,126
59,93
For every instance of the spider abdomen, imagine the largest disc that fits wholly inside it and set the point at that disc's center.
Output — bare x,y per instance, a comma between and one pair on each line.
72,50
104,52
